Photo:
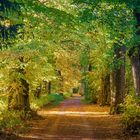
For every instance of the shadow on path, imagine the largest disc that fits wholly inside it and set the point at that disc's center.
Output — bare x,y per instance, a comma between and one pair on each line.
73,120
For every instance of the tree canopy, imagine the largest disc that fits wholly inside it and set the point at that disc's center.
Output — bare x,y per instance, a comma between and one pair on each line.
57,46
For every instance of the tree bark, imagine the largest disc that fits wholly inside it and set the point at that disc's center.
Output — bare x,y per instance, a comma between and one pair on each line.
134,54
118,79
19,91
120,86
19,96
104,98
135,61
49,87
25,95
83,86
38,91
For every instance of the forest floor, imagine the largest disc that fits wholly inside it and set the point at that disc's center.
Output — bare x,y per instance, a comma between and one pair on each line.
75,120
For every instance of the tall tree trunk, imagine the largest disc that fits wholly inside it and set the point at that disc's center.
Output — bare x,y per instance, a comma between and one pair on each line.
83,87
25,95
134,54
38,91
113,91
135,61
120,87
49,87
118,79
19,91
19,96
104,98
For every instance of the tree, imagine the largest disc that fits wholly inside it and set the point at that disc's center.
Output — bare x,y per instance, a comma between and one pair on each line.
134,54
9,25
118,79
29,48
109,23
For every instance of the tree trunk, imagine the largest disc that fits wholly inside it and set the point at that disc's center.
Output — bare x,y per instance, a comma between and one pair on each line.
83,87
120,86
19,96
38,91
49,87
118,79
61,82
134,54
25,94
135,61
113,91
19,91
104,98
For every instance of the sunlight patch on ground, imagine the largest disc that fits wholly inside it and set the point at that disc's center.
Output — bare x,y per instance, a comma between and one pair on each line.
46,136
32,137
71,113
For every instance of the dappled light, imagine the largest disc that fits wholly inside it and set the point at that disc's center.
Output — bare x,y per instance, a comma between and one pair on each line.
72,113
69,69
74,124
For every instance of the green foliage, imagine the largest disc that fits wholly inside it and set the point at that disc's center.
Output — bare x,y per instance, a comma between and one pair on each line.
91,94
55,98
131,116
10,120
108,23
50,36
67,95
10,22
45,99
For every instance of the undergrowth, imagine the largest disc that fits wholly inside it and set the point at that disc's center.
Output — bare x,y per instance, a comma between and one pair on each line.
131,115
45,99
67,95
10,120
13,120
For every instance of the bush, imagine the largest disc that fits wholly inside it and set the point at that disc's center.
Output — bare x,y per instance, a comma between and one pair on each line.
10,120
92,100
90,94
67,95
131,115
55,98
45,99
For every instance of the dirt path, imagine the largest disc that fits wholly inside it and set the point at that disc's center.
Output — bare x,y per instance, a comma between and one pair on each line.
73,120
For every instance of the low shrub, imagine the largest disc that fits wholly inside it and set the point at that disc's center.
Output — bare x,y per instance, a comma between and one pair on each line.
45,99
89,101
67,95
10,121
131,115
55,98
